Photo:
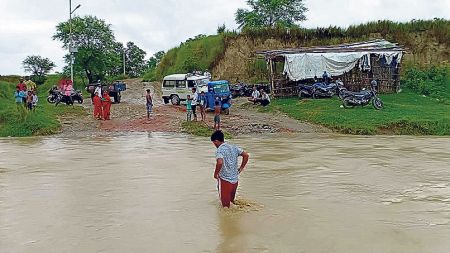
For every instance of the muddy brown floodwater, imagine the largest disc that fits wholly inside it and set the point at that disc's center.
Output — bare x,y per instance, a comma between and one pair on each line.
153,192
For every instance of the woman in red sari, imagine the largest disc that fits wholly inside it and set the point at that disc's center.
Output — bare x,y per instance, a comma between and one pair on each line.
106,105
98,114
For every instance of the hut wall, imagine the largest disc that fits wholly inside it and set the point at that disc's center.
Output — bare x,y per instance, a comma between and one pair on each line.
388,78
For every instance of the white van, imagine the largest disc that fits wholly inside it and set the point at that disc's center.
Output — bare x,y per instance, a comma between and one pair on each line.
175,88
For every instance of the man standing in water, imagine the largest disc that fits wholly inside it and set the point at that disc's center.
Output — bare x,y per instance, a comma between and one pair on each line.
227,170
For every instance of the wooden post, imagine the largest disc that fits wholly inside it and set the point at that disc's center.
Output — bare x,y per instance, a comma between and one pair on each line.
272,82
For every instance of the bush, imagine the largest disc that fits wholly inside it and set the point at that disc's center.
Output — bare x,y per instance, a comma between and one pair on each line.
433,81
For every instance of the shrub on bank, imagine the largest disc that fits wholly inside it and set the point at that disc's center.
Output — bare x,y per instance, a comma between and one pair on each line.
433,81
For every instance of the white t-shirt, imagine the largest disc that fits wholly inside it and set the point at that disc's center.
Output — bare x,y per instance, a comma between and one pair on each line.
255,94
266,97
99,90
194,98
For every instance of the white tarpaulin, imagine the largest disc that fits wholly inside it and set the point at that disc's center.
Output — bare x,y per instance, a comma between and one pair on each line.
309,65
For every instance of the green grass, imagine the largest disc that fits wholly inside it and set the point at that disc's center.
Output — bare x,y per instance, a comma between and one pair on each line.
194,54
406,113
198,128
16,121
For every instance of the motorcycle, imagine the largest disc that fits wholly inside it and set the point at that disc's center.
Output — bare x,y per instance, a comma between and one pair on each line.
52,96
240,90
341,90
317,90
363,98
68,100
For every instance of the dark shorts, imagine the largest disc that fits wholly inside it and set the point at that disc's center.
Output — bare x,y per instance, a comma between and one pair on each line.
217,119
194,107
149,107
227,192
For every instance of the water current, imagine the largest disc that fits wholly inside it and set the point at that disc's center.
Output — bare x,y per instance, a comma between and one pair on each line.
156,193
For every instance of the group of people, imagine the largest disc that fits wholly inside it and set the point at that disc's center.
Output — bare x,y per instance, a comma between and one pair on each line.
26,94
260,97
195,100
102,105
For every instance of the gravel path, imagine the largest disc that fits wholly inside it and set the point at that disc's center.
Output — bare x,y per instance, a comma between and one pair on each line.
130,116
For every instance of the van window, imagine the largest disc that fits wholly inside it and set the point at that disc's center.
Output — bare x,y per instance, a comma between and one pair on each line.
203,82
191,83
169,84
181,84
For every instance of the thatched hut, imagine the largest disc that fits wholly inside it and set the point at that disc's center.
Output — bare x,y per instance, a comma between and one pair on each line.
357,64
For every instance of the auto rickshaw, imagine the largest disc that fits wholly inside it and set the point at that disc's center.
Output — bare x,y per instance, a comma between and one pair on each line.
219,91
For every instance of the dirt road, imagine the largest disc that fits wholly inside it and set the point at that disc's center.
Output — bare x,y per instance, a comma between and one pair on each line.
130,116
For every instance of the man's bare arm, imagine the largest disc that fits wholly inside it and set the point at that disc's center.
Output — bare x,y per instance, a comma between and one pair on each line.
219,165
245,157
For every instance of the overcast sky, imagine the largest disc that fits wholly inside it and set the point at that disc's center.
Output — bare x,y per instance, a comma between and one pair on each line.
26,26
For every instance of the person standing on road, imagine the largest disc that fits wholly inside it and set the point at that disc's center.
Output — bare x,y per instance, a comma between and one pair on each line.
188,108
217,111
203,104
97,106
194,102
227,170
149,103
106,105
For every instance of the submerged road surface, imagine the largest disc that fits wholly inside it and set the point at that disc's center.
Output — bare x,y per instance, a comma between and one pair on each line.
156,193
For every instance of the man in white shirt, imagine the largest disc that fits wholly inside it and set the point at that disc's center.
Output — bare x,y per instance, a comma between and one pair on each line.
255,95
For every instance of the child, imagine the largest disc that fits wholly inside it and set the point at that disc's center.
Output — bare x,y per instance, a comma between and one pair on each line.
203,105
29,101
188,108
35,100
217,110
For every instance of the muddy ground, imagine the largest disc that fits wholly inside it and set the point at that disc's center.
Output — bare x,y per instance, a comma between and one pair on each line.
131,116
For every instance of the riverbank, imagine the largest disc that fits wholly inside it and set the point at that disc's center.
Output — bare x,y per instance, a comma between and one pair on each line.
16,121
405,113
130,116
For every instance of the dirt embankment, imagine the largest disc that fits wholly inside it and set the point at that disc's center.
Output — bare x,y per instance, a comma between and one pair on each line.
131,116
238,61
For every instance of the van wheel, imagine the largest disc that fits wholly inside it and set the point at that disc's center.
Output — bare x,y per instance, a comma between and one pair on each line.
175,100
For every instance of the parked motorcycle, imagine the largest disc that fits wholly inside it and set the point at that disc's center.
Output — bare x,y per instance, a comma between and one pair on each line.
341,90
69,100
363,98
52,95
317,90
241,90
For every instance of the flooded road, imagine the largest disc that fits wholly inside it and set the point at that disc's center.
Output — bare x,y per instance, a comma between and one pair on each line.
155,193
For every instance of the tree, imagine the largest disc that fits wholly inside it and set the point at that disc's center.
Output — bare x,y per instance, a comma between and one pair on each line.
38,66
221,29
155,60
134,59
96,45
271,13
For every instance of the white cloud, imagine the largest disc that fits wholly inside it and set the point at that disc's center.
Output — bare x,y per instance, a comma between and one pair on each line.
27,26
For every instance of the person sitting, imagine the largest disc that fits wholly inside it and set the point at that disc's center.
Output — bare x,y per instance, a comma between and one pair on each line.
265,98
255,95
